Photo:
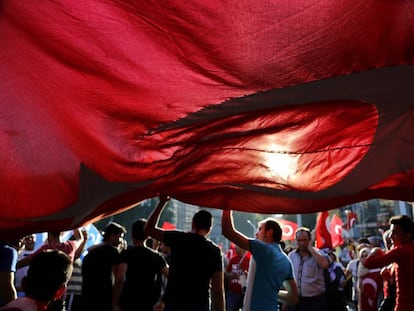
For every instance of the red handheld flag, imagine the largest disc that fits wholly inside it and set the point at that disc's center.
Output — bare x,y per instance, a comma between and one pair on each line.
288,229
336,231
351,219
323,237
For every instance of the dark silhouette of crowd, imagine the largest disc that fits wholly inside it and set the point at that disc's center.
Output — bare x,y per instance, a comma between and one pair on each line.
174,270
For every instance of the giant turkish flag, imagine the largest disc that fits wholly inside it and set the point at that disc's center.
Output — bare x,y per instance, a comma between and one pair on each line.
263,106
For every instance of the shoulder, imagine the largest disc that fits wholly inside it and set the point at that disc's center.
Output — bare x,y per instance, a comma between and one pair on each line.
174,235
21,304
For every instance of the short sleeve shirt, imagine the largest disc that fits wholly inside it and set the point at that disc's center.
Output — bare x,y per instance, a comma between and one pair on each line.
194,260
141,289
273,267
308,274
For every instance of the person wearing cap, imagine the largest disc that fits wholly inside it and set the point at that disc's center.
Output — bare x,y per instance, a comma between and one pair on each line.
99,269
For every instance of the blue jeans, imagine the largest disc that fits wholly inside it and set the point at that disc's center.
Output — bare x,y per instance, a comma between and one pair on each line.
234,301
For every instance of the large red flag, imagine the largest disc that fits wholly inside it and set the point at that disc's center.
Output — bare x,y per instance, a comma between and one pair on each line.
288,229
322,234
336,231
266,106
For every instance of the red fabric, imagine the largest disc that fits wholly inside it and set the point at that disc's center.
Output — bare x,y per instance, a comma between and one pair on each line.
371,286
335,227
322,234
237,266
168,226
264,106
288,229
351,219
404,273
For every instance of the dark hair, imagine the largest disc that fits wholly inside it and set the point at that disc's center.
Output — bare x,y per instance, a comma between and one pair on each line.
138,232
332,253
405,223
303,229
48,271
202,220
113,228
364,241
271,224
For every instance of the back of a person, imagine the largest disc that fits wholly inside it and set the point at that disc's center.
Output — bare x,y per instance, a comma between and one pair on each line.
141,290
404,276
273,267
194,259
97,277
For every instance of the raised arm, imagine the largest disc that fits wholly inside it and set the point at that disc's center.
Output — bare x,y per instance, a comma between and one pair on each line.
228,230
151,228
83,240
320,259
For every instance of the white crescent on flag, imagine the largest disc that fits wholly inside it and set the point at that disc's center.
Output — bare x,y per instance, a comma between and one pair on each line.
266,106
288,229
336,231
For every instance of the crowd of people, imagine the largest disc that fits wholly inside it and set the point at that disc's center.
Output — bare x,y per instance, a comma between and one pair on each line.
173,270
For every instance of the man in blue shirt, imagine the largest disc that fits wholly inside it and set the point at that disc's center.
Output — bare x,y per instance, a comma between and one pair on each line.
270,268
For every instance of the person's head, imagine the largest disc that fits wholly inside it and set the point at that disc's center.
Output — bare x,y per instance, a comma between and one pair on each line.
362,243
363,254
48,274
332,256
138,232
402,229
29,242
269,230
303,236
114,234
202,221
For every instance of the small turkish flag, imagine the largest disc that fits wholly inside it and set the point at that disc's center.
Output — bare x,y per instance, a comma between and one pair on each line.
336,231
288,229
